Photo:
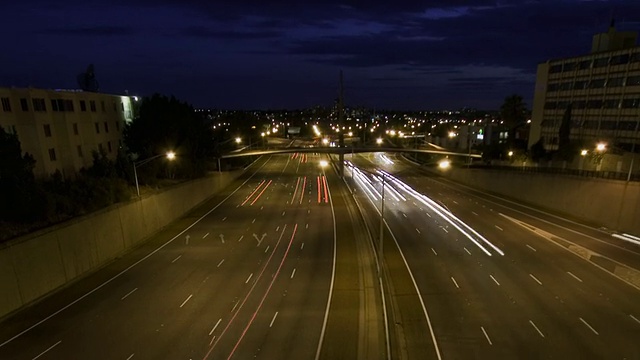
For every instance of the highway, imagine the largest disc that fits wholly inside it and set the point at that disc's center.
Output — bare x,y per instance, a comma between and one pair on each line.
255,272
522,293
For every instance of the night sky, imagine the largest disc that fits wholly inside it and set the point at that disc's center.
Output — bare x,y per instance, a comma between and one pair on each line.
412,55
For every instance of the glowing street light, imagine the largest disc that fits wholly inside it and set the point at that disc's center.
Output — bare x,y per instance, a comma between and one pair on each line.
510,153
323,163
584,152
379,141
170,155
238,140
452,134
444,164
601,147
325,141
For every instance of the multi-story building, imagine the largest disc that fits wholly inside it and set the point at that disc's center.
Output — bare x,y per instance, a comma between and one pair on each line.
603,90
61,128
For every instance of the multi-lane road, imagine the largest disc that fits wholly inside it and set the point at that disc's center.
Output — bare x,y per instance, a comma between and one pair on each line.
287,263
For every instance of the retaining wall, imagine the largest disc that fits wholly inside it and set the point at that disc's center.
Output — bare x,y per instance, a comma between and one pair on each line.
36,264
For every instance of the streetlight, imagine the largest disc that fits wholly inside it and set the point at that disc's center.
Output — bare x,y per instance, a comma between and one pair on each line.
584,152
238,140
601,147
510,153
169,155
379,141
444,164
323,163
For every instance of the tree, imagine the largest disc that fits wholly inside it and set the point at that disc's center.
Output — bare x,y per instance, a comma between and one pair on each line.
565,129
514,114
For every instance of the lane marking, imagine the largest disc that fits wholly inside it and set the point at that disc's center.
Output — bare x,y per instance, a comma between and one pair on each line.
184,302
215,326
530,247
534,278
234,306
277,228
258,197
241,237
589,326
254,220
575,277
267,249
405,215
205,235
455,202
220,263
129,293
494,280
454,282
468,252
130,356
249,278
51,347
301,246
254,191
429,215
293,273
634,318
434,252
274,319
176,259
445,230
306,226
535,327
224,218
498,227
474,213
485,335
283,213
418,230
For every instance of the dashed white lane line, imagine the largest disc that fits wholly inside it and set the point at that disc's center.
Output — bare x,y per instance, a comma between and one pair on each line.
266,249
283,213
494,280
429,215
434,252
474,213
486,335
51,347
220,263
467,250
445,230
241,237
589,326
418,230
187,299
454,282
293,273
277,228
634,318
306,226
215,326
249,278
535,327
573,276
536,279
205,235
129,293
498,227
176,259
405,215
254,220
224,218
530,247
274,319
131,356
301,246
455,202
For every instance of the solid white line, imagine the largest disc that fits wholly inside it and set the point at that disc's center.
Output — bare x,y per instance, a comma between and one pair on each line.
176,259
205,235
215,326
531,247
589,326
494,279
52,346
534,278
249,278
184,302
575,277
468,252
535,327
485,335
434,252
129,293
235,306
634,318
418,230
454,282
130,356
293,273
274,319
625,238
220,263
498,227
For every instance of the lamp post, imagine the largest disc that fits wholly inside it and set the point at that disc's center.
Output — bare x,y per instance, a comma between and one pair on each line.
382,220
169,155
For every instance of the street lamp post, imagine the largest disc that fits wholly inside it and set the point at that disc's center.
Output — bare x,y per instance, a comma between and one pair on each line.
382,220
169,155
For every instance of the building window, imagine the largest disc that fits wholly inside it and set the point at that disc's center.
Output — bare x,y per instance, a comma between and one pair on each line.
627,125
553,87
6,104
79,148
97,128
106,127
550,105
594,104
68,105
566,86
109,145
620,59
104,109
83,106
633,81
630,103
611,104
597,83
580,85
92,105
39,105
24,104
615,82
54,105
555,69
47,130
100,149
62,105
569,66
117,125
635,57
584,64
75,128
601,62
52,154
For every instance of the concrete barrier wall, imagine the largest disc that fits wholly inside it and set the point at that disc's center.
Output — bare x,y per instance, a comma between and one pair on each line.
609,203
34,265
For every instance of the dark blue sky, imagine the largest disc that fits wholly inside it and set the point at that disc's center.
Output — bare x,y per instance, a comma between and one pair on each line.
280,54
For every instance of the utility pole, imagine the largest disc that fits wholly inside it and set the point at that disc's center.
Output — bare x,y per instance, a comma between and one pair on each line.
340,124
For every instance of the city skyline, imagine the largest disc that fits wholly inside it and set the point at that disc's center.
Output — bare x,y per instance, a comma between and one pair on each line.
250,55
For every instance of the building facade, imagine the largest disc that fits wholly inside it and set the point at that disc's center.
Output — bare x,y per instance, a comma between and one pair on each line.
602,90
61,128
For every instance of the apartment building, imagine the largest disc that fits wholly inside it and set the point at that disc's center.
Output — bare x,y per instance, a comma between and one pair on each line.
603,90
61,128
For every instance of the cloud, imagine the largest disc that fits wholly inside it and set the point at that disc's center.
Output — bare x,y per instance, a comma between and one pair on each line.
203,32
91,31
